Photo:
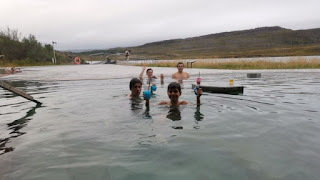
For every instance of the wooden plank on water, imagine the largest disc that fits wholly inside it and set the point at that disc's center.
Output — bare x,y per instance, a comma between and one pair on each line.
254,75
18,92
223,90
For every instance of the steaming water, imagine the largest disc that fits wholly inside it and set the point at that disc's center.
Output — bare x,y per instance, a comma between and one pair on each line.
87,128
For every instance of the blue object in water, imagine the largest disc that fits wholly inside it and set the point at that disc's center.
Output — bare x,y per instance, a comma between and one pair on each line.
147,94
154,88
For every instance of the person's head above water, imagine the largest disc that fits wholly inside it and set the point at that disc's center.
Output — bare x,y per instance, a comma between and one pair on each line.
180,66
174,92
135,87
149,73
180,75
174,85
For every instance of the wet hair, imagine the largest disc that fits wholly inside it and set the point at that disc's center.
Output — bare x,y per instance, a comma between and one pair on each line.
180,63
174,85
133,82
148,70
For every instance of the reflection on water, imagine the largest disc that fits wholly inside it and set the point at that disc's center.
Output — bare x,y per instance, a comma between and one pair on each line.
138,107
136,104
174,114
146,114
198,116
88,128
15,128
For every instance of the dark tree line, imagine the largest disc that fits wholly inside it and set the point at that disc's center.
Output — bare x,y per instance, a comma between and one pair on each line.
13,47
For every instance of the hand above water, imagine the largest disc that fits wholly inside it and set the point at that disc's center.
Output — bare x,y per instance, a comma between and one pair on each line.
199,92
147,99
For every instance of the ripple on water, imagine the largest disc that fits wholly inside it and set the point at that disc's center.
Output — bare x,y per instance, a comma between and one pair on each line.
88,128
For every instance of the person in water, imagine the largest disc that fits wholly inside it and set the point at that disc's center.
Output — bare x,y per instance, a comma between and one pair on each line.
174,93
8,70
135,88
180,75
150,75
13,70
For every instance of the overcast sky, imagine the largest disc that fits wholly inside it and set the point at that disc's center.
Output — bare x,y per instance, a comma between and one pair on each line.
103,24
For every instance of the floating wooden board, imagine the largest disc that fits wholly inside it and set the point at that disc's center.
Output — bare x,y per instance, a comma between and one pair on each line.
224,90
17,91
254,75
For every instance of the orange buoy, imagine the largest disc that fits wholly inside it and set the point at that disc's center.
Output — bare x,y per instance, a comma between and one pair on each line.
77,60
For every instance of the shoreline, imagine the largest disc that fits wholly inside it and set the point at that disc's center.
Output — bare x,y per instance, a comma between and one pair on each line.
288,62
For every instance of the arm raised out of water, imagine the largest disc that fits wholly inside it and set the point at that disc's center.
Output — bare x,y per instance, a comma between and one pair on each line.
142,71
162,79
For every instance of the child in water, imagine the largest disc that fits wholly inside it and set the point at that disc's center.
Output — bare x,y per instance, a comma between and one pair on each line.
174,92
135,88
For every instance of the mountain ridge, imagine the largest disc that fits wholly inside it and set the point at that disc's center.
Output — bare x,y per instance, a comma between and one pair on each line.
257,42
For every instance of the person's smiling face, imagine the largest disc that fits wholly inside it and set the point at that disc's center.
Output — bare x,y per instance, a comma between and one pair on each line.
174,94
150,73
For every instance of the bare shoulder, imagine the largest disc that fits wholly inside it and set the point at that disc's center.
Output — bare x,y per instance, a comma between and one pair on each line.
164,103
187,74
183,103
174,75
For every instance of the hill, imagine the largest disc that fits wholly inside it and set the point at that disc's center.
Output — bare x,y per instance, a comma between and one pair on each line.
258,42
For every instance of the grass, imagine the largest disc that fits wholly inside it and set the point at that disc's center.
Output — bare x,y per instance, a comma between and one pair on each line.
25,62
299,63
166,52
22,63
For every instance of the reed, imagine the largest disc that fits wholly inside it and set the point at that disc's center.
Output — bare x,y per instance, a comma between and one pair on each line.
234,64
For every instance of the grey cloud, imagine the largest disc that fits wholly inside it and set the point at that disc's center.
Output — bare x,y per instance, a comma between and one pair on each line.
113,23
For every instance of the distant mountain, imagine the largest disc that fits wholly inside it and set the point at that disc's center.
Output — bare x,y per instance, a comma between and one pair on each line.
264,41
78,50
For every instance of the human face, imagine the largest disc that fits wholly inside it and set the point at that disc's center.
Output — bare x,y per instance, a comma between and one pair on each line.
136,90
174,94
180,67
150,73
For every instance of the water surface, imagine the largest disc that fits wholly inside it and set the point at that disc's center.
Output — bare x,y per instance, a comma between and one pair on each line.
87,128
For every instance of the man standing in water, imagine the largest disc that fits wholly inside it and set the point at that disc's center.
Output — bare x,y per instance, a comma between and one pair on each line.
127,52
180,75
